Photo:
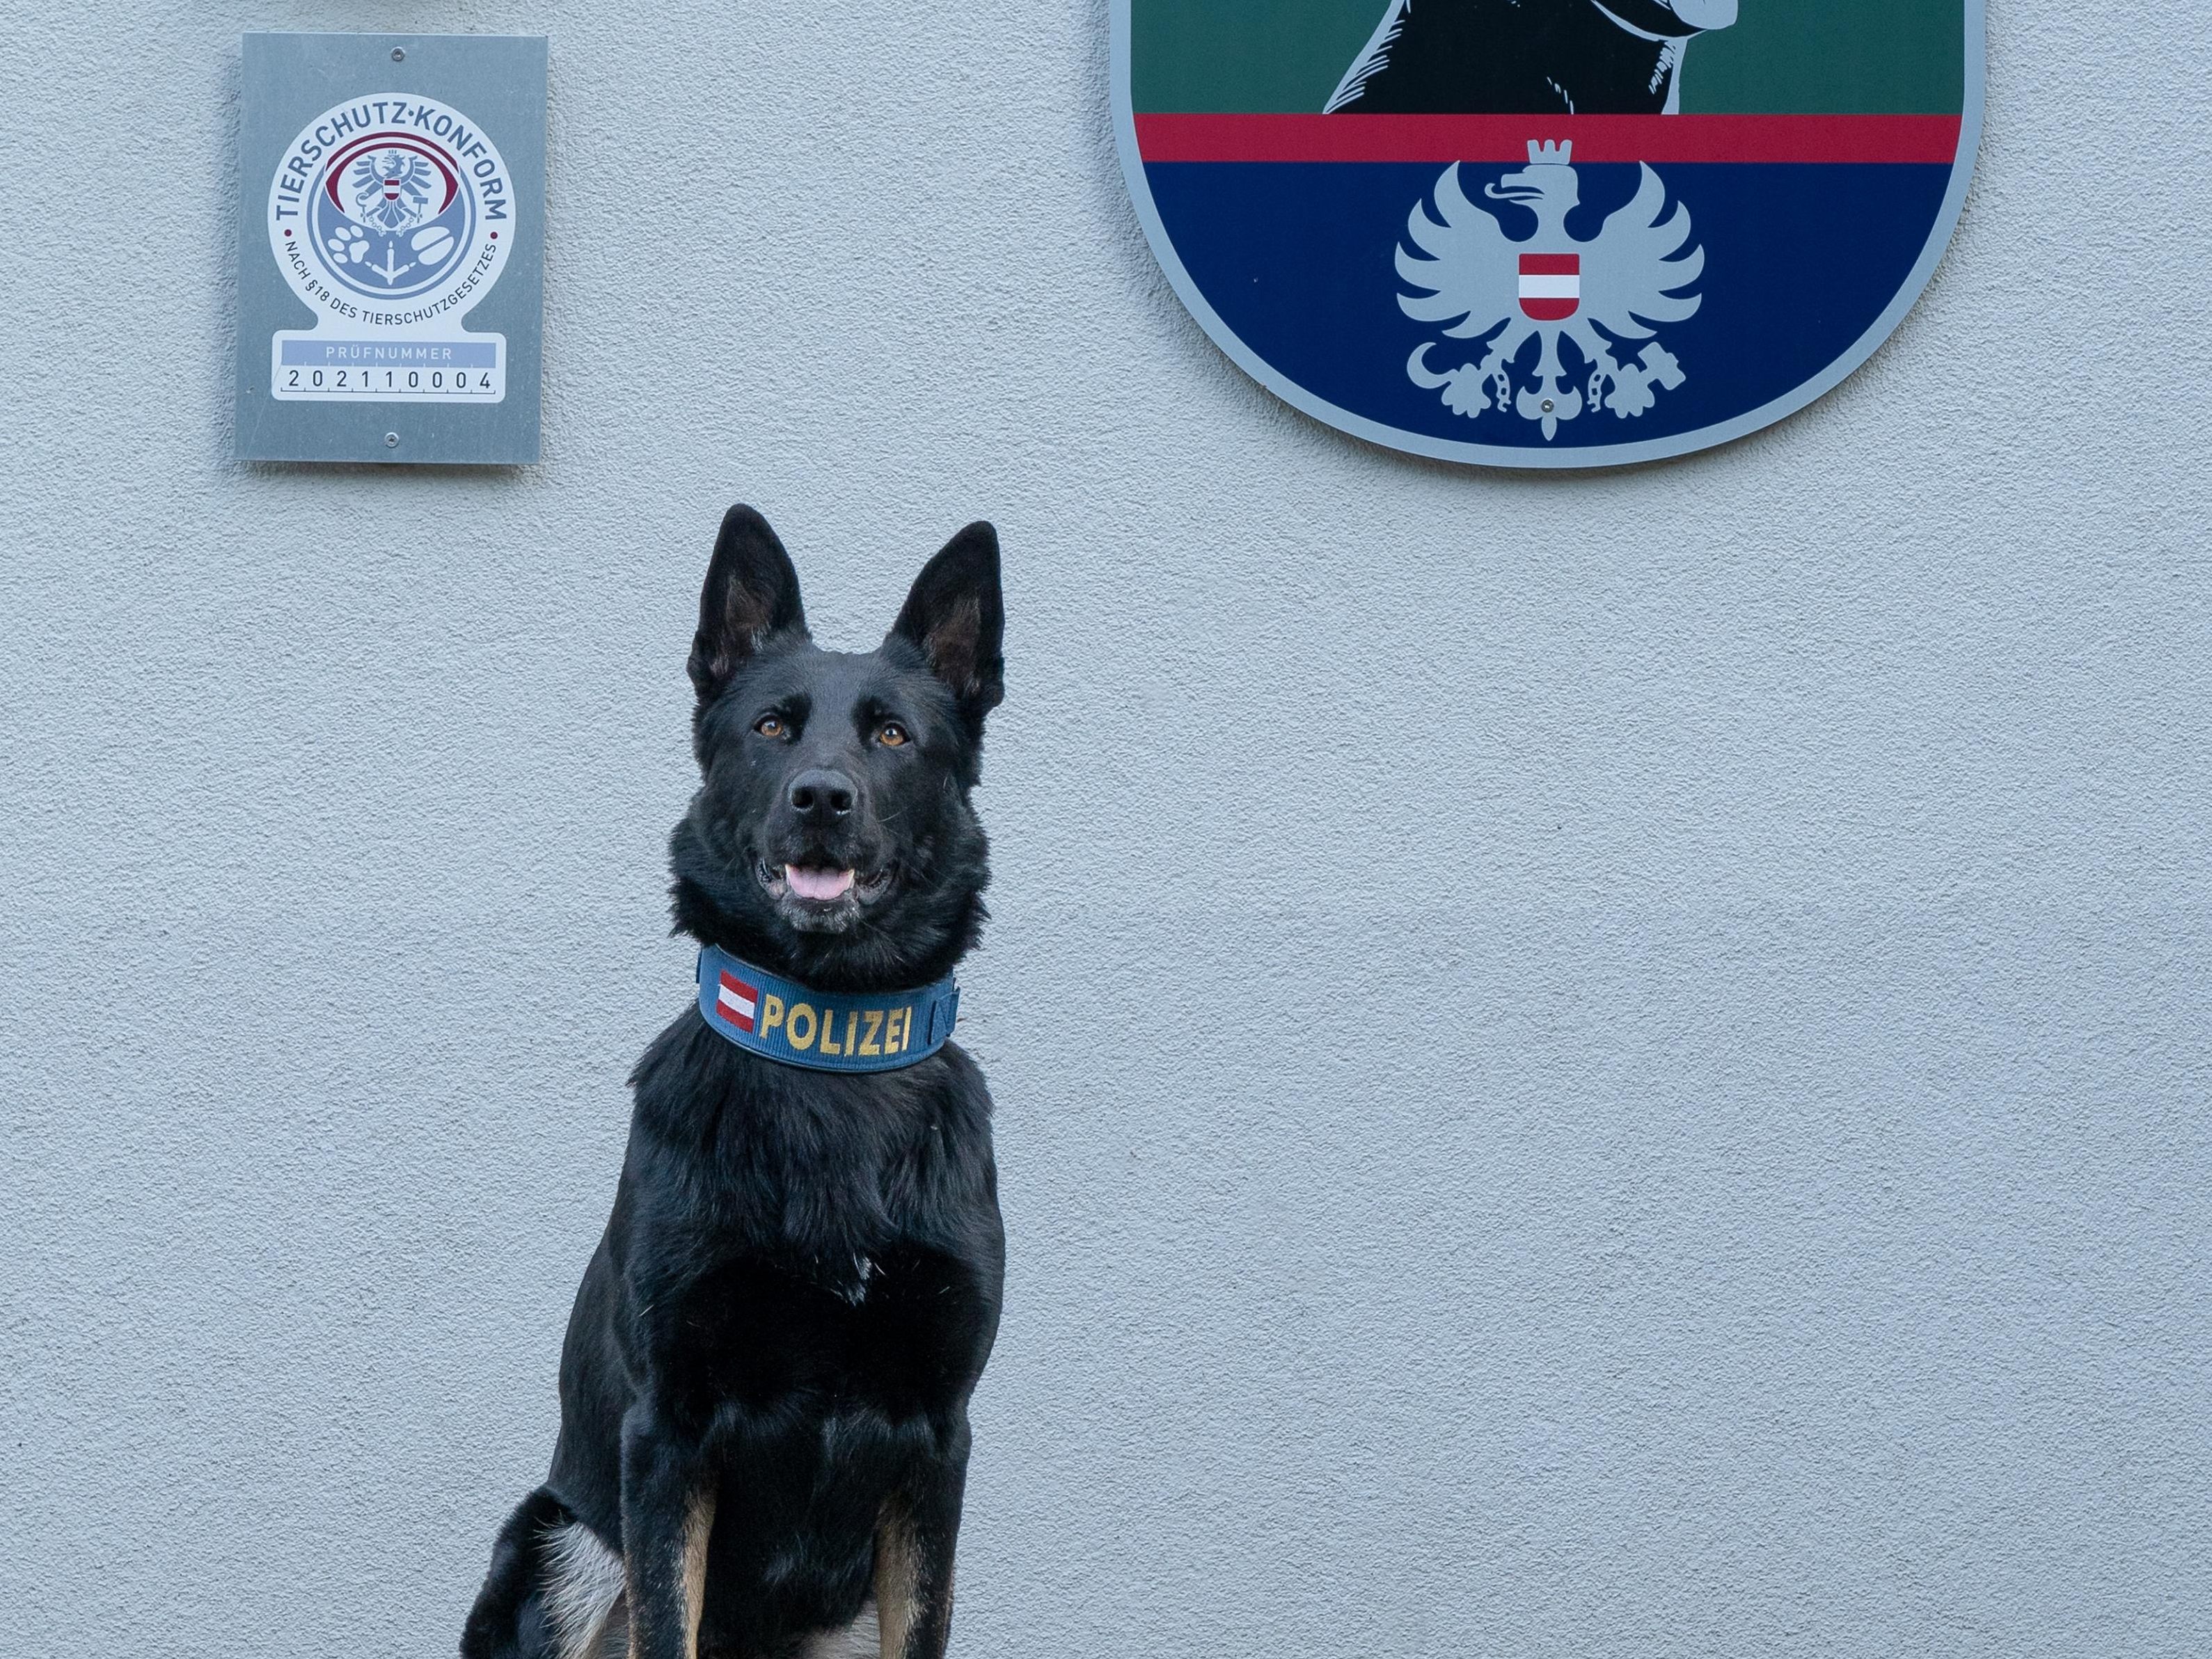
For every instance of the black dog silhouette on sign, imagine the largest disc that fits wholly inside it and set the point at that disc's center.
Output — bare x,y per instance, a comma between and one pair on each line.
1527,57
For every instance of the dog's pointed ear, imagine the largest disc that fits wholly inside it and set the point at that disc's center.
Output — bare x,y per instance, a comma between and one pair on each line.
751,594
955,617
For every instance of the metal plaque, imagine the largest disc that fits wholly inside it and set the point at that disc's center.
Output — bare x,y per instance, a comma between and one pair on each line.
391,223
1549,233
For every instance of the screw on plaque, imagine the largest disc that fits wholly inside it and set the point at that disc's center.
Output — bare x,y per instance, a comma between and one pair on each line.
399,54
392,440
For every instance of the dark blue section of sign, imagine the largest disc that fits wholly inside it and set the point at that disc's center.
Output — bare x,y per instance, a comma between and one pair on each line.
1297,259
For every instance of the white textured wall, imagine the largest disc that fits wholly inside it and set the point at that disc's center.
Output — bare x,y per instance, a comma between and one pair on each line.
1596,1066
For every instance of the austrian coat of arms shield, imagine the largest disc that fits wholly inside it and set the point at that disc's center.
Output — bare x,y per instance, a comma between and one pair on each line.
1549,233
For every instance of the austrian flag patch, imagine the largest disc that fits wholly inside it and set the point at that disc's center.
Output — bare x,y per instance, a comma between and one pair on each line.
737,1002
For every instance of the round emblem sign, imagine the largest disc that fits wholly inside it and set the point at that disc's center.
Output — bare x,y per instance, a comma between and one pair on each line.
391,215
1549,233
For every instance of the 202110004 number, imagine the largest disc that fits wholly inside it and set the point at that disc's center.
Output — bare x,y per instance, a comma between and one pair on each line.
374,383
465,370
458,382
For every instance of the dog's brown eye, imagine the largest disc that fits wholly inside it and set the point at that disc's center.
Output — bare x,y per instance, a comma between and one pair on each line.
771,725
891,735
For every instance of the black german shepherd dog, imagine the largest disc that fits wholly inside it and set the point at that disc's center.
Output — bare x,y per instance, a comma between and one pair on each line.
1527,57
764,1386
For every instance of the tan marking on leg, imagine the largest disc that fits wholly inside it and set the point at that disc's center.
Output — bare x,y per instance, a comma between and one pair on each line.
897,1613
685,1568
698,1530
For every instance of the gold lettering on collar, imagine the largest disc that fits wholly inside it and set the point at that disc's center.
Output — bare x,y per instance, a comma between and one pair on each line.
800,1010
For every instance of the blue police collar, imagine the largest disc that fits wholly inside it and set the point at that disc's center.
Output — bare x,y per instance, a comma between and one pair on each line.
780,1019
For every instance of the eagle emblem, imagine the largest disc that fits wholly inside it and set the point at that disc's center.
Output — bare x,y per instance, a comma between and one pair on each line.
1503,291
393,189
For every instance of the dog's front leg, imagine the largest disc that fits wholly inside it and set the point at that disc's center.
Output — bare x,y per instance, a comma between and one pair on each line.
667,1515
915,1534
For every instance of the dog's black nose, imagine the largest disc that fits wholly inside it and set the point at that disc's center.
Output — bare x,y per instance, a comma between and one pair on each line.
822,796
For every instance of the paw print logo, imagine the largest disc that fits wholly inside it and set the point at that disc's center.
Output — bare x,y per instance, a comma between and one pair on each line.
348,245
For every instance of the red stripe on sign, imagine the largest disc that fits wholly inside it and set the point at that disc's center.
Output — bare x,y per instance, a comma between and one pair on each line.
1897,139
1550,311
1550,264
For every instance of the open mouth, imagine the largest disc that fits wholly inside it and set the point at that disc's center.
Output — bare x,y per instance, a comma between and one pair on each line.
821,887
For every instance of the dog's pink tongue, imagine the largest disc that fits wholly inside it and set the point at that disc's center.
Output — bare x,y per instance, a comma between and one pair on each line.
817,884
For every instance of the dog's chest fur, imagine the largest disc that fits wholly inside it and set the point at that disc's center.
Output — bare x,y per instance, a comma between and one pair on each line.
804,1241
